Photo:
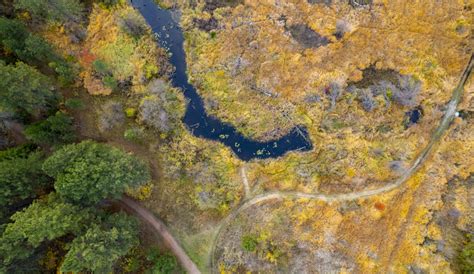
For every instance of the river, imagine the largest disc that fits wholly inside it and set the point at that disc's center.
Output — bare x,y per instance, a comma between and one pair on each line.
200,124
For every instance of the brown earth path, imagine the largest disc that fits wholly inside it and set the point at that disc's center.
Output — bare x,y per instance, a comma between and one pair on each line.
163,231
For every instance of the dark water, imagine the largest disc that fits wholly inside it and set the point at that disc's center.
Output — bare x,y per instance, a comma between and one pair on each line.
198,122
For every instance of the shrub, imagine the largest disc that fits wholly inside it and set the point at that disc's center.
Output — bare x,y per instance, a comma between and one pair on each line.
366,99
56,129
153,114
132,24
133,134
111,116
130,112
466,256
157,87
66,74
333,91
342,27
110,82
406,92
162,263
74,103
100,67
307,37
249,242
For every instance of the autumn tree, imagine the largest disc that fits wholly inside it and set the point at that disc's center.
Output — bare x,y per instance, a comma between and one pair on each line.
102,245
23,89
88,172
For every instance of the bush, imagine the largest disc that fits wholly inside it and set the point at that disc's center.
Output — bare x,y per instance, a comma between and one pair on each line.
333,91
66,74
111,116
130,112
466,256
342,27
162,263
367,100
55,130
110,82
249,242
74,103
157,87
406,92
100,67
152,113
307,37
133,25
109,3
133,134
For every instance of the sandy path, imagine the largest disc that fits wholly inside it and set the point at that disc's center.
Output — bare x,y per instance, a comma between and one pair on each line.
161,229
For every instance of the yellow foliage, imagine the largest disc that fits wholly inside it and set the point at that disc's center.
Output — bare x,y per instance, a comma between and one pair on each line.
141,193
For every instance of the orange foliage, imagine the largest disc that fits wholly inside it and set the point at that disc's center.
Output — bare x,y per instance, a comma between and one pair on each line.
380,206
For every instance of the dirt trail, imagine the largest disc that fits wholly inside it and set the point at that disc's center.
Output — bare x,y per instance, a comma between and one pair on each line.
448,117
189,265
245,181
161,229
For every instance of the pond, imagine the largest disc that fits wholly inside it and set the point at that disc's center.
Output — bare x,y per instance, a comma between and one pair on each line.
170,36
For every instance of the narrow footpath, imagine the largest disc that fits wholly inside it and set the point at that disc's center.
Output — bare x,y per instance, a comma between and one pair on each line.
163,231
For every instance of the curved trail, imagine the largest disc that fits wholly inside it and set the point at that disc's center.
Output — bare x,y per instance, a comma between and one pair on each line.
189,265
435,137
161,229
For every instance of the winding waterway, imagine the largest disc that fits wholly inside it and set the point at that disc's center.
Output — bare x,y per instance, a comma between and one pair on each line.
170,36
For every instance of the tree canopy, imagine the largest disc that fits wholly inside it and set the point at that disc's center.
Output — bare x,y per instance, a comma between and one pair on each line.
43,220
102,245
15,38
89,172
55,11
56,129
24,89
33,49
20,175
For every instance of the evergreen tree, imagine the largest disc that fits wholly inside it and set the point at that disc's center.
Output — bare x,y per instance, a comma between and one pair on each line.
25,90
20,175
55,11
44,220
102,245
57,129
30,48
88,172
